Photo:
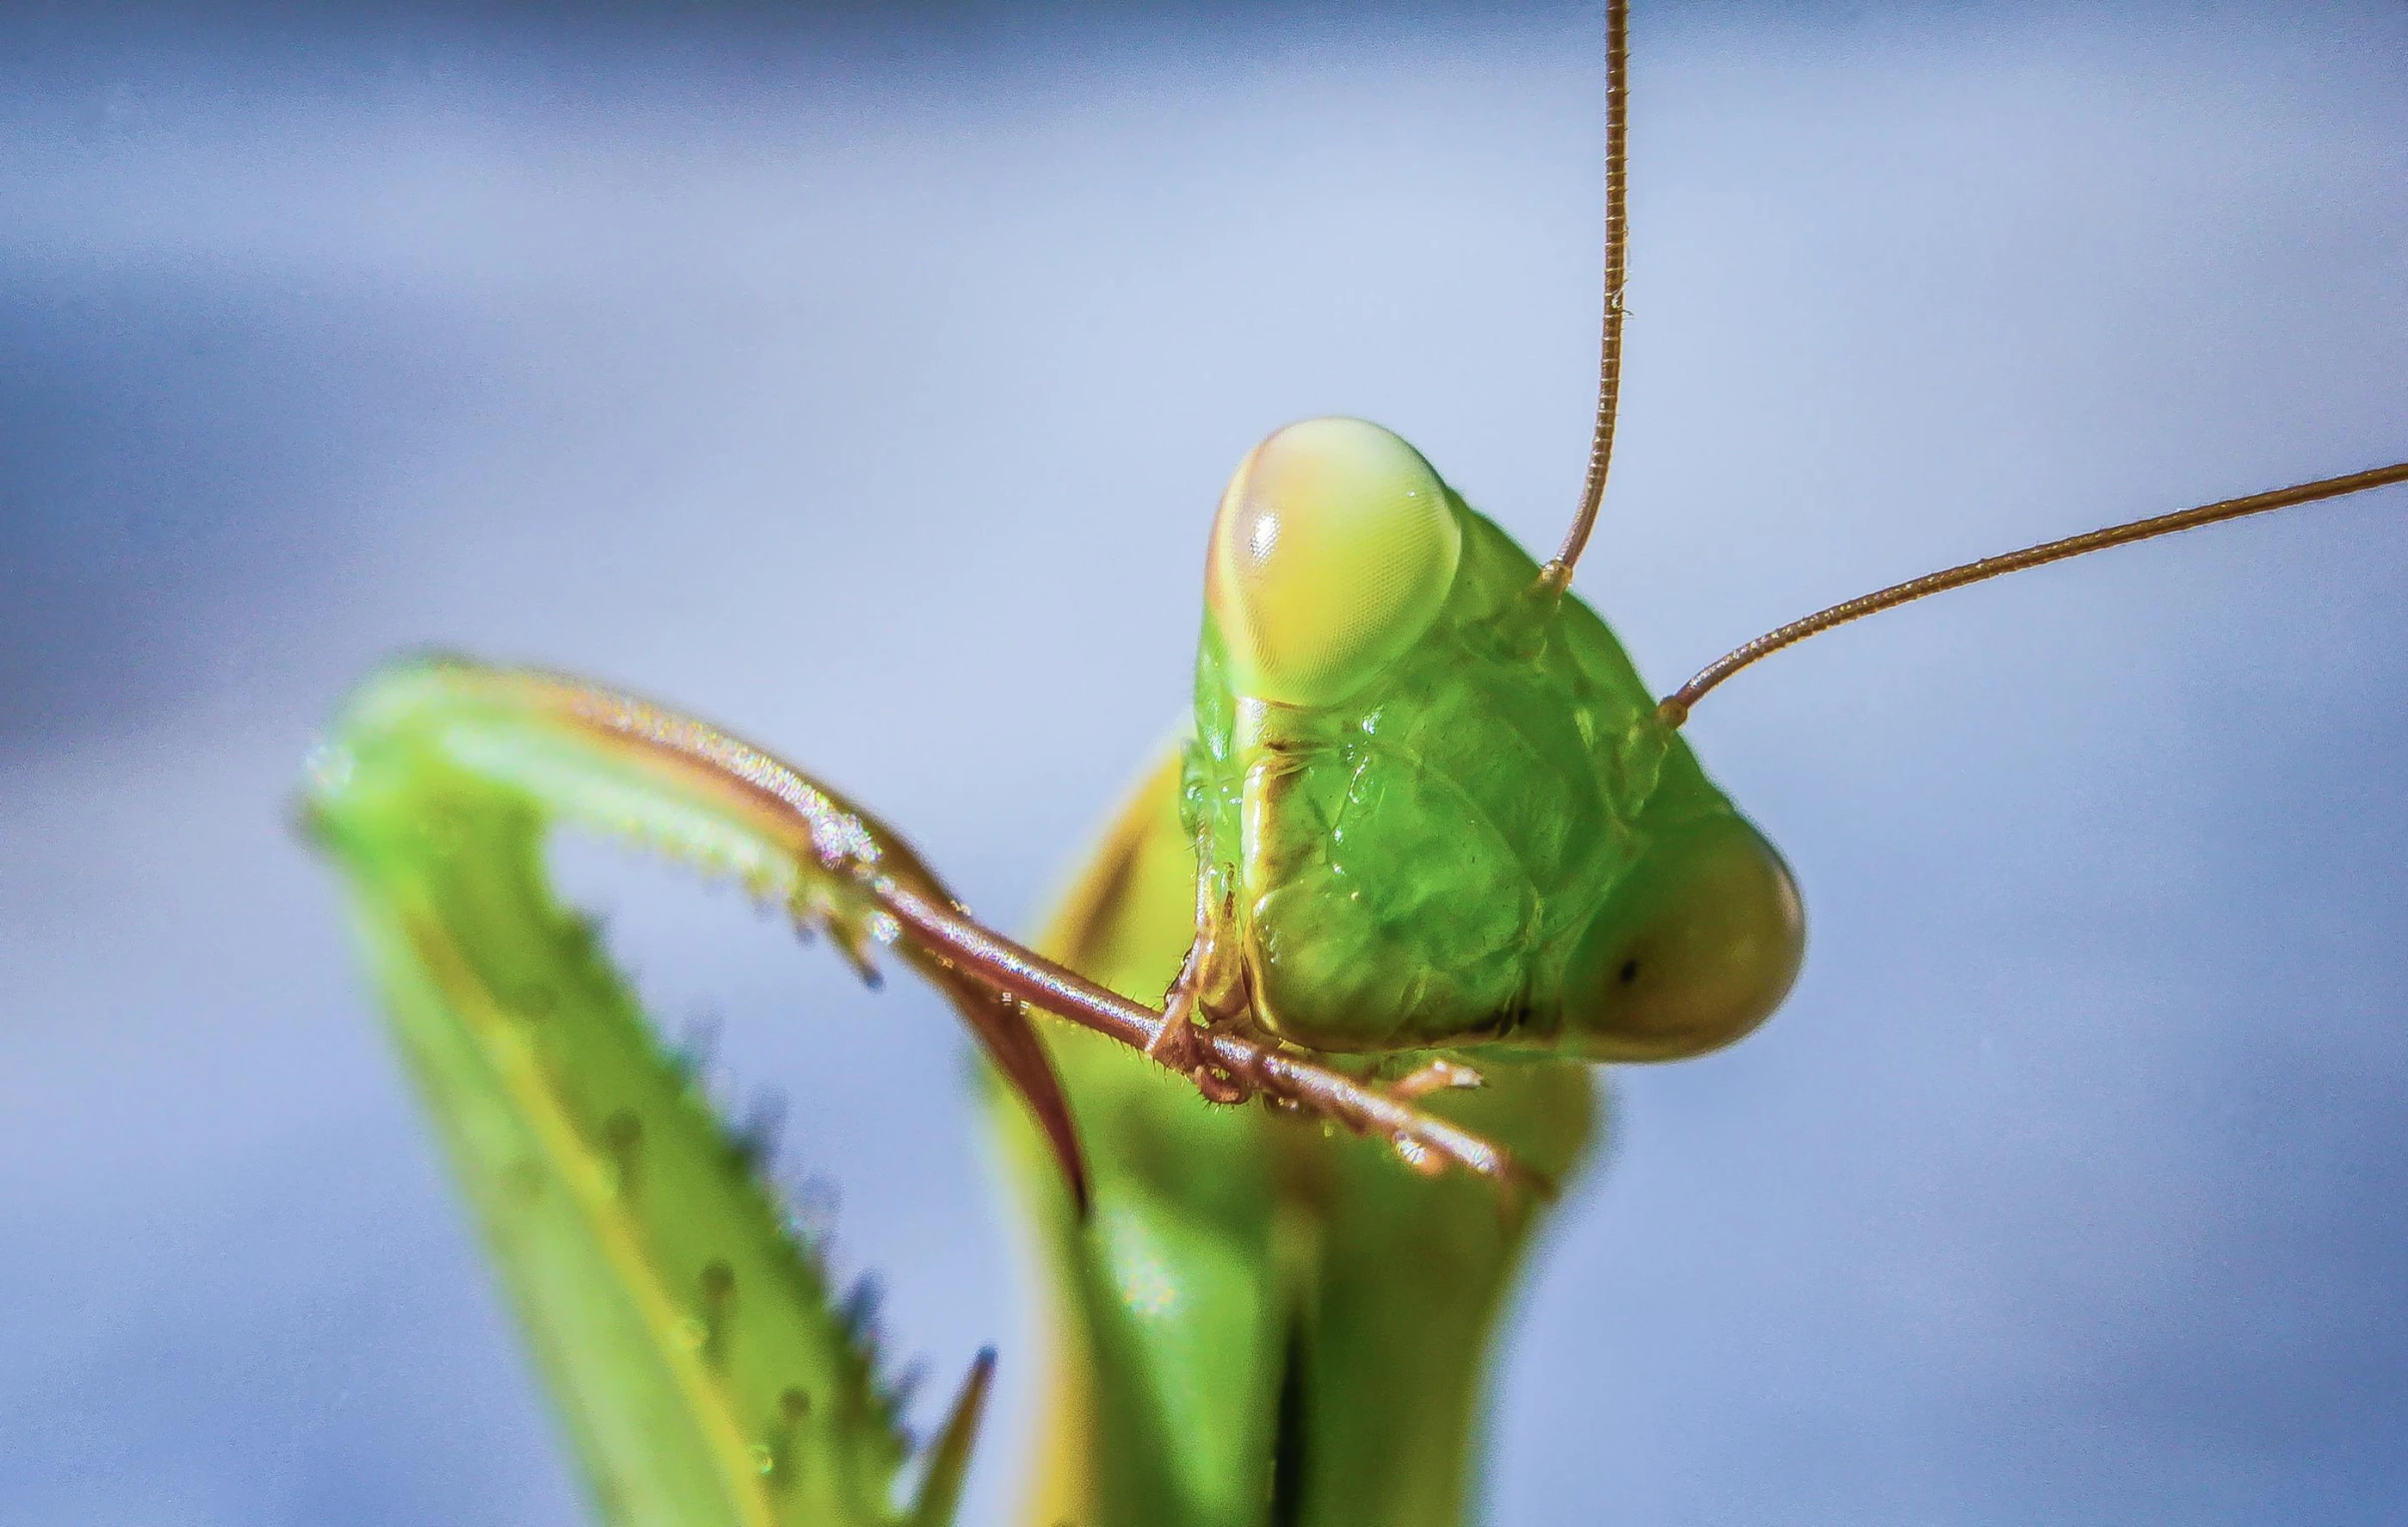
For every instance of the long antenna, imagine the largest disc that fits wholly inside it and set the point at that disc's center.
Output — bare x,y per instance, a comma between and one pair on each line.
1557,575
1675,706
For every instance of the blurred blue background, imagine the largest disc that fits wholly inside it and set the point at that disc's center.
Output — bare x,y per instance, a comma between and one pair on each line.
868,383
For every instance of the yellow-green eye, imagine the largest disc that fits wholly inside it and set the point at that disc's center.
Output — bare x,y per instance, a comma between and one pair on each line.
1333,549
1693,951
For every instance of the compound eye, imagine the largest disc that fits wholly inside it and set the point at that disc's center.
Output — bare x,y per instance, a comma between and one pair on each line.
1694,951
1332,553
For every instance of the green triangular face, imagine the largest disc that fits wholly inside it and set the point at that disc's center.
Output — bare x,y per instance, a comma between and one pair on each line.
1441,803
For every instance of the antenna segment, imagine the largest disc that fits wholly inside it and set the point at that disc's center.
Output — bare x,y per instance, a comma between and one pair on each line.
1675,706
1556,576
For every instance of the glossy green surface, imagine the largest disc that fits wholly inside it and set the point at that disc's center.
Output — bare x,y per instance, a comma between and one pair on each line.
1325,505
1494,841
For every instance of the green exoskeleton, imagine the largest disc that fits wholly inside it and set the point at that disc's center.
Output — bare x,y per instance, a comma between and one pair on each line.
1428,853
1440,825
1432,803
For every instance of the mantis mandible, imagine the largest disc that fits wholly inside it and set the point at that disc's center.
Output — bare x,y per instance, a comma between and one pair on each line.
443,776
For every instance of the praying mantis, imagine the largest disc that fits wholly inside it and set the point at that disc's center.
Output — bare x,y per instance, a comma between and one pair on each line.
495,707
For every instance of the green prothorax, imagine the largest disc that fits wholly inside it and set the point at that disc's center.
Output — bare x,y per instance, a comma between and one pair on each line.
1435,795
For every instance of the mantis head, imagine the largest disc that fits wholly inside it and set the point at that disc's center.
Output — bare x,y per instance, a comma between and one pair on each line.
1435,799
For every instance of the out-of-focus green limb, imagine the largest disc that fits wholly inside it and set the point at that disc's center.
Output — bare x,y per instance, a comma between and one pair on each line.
1169,1305
704,1372
624,768
1411,1284
1170,1301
